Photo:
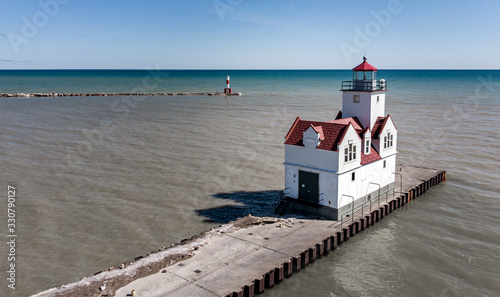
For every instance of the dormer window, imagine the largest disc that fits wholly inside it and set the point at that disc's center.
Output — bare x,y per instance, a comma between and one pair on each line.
350,152
388,140
367,143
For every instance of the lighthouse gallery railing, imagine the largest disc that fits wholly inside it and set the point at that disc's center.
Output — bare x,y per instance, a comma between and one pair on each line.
363,85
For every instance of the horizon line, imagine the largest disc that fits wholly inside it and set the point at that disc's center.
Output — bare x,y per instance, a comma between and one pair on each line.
239,69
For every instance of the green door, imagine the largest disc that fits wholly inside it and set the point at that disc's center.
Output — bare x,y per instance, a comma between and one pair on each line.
309,186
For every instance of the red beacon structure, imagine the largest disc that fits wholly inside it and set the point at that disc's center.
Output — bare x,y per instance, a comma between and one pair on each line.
227,90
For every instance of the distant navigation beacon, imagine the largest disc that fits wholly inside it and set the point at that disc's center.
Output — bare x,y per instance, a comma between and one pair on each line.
227,90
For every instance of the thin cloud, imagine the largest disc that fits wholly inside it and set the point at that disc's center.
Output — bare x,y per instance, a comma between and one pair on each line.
269,20
16,61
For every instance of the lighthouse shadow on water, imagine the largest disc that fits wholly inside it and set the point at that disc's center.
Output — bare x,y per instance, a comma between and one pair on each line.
258,203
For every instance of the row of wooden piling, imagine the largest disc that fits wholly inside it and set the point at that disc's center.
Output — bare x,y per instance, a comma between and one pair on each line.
330,243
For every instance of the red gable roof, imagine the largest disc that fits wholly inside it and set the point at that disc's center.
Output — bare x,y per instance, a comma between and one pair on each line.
365,66
371,157
356,124
332,133
319,130
297,120
379,125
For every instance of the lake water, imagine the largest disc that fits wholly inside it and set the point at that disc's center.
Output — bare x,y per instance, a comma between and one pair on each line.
102,180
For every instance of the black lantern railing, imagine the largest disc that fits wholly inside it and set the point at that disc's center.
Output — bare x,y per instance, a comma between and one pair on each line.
364,85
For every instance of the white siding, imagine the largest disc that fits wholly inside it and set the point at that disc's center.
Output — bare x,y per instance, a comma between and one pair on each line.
351,134
389,126
377,108
347,188
367,110
313,158
328,186
291,181
360,110
367,179
328,189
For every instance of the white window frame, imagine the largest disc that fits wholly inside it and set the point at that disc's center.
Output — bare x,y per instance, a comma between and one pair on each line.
350,152
388,140
367,145
356,99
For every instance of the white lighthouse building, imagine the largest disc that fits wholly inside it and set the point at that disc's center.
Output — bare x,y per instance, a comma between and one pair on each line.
332,167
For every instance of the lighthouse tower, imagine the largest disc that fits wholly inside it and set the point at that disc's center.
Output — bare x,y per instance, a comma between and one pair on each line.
364,96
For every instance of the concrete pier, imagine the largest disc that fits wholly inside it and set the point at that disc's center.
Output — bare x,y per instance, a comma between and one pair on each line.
250,260
248,256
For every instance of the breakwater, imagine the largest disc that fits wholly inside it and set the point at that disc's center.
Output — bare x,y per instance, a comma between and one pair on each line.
248,256
28,95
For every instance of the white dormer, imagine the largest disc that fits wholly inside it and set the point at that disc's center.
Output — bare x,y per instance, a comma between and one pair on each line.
313,136
367,142
387,137
349,149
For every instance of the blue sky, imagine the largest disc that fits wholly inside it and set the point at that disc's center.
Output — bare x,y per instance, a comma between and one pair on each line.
249,34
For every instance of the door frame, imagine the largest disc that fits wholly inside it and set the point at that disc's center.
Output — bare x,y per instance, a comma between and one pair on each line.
308,186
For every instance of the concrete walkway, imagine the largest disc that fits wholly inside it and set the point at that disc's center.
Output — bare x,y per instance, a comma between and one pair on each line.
247,261
226,263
